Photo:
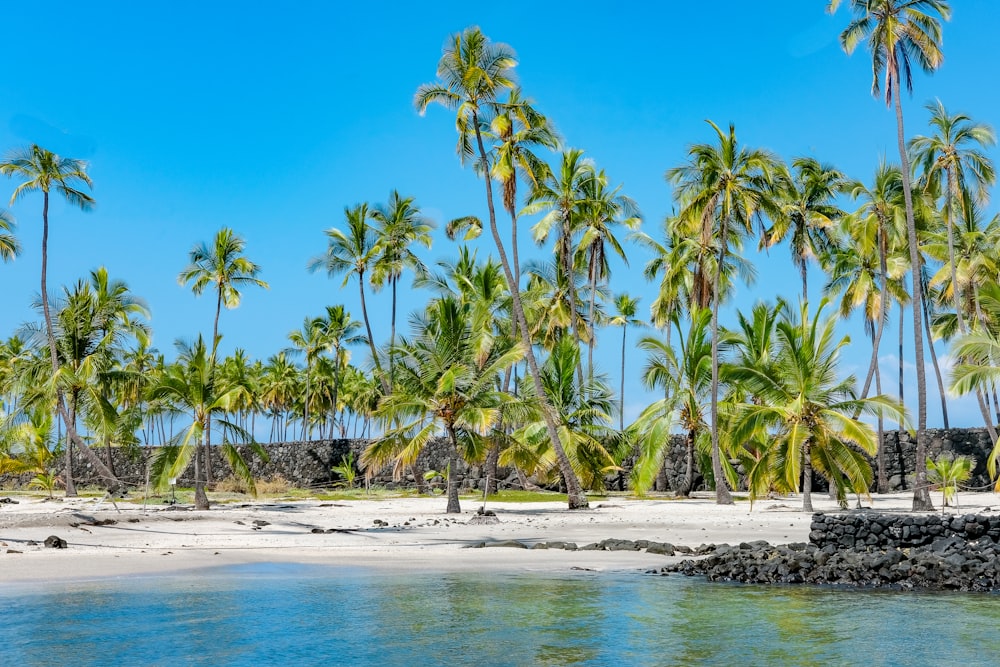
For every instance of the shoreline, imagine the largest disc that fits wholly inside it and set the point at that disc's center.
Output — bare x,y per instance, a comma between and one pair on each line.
392,535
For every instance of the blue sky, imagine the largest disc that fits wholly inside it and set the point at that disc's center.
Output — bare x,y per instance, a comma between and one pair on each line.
270,120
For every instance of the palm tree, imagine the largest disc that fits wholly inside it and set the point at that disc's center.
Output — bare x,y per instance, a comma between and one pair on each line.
45,172
956,150
399,227
472,72
722,190
562,195
517,127
900,32
223,265
9,247
444,380
625,311
191,385
806,214
808,410
603,209
340,330
311,340
354,253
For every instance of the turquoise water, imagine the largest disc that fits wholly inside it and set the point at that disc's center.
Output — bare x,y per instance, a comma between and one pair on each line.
307,615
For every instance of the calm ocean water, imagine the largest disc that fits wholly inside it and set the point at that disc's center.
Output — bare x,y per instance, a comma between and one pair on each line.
307,615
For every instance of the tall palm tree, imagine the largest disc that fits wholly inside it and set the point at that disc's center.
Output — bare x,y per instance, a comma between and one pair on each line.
604,208
399,227
44,171
472,73
224,266
805,212
9,246
625,314
723,190
562,195
954,152
898,33
444,380
354,253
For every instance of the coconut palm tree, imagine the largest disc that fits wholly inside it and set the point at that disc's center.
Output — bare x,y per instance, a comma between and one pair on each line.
192,386
723,190
808,410
224,266
44,171
584,422
340,330
517,128
9,246
445,380
399,227
805,212
625,314
472,73
312,341
604,208
899,33
354,253
955,156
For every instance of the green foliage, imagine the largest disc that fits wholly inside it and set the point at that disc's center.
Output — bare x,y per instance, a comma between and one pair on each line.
347,470
947,472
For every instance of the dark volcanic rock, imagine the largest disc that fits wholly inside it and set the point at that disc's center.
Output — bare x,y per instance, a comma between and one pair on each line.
55,542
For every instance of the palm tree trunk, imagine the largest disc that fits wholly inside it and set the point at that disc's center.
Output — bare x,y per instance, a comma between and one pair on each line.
621,393
804,270
901,425
576,498
949,214
722,495
70,483
71,433
392,336
593,326
807,477
883,479
569,270
921,494
937,368
200,497
688,485
453,504
371,339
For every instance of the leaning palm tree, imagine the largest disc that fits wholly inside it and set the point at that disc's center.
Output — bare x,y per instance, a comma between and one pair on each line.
899,32
44,171
472,73
9,246
340,330
312,341
723,190
807,409
445,380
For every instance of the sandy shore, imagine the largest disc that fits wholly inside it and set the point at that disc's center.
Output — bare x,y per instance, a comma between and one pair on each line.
397,534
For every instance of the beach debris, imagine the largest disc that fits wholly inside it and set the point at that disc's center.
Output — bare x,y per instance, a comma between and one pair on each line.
260,523
486,519
380,523
13,551
55,542
8,501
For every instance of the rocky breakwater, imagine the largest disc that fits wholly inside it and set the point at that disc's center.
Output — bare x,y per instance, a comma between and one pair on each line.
931,552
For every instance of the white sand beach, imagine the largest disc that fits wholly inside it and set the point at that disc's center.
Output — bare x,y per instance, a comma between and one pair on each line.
397,533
